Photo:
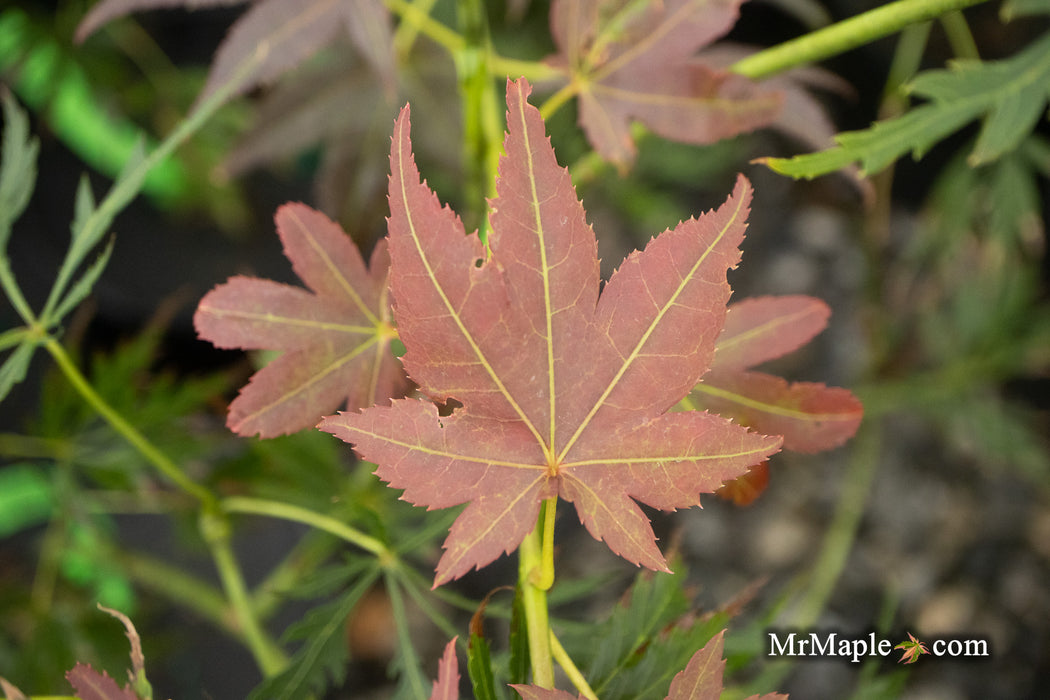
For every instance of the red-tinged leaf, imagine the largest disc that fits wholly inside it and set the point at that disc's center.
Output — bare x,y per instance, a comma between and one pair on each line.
446,687
368,23
764,328
272,37
635,61
811,417
743,490
108,10
335,339
534,692
92,685
701,679
564,392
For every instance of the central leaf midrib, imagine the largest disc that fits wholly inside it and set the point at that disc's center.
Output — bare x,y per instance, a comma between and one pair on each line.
271,318
447,302
548,449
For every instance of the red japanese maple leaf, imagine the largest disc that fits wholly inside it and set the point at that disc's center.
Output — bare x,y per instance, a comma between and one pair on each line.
631,60
564,392
335,339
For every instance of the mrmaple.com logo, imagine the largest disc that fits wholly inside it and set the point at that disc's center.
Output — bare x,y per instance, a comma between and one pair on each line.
856,649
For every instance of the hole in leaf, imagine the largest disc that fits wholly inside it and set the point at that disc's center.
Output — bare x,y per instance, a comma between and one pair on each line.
446,409
479,262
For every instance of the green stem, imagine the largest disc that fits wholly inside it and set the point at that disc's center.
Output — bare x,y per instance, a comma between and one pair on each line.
555,101
959,36
139,441
534,600
543,576
130,183
408,28
421,20
573,673
845,35
307,555
481,117
534,71
843,530
286,511
178,586
216,531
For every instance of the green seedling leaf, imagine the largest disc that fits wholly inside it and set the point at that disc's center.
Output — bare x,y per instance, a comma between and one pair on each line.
15,367
1012,9
83,286
83,206
12,337
564,392
518,666
324,652
17,166
479,658
26,498
636,61
446,687
1008,95
479,667
335,339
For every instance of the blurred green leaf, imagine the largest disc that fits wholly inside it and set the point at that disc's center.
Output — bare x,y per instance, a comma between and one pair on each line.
15,367
17,165
26,497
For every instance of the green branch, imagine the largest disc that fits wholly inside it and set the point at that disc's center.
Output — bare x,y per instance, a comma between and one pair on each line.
844,36
117,421
215,529
286,511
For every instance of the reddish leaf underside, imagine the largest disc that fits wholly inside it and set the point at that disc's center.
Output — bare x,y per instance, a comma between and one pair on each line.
564,392
92,685
635,61
446,687
702,678
335,339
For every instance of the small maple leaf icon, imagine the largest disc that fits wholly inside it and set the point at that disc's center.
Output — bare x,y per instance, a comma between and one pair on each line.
913,649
